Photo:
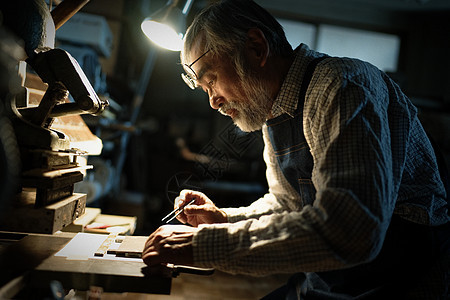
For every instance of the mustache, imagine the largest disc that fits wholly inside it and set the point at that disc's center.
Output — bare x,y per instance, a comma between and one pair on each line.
225,107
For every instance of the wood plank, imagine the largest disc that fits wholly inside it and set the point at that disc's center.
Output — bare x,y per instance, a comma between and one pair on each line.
132,246
34,255
26,254
126,275
127,224
49,219
112,276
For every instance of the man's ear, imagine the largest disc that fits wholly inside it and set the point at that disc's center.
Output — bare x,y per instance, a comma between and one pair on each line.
257,47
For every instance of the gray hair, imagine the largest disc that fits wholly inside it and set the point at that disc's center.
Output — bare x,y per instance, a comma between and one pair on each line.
224,26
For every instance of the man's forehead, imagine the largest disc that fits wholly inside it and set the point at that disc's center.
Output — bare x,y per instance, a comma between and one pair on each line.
197,49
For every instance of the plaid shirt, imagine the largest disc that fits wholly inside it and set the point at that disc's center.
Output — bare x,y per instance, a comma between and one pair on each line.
370,160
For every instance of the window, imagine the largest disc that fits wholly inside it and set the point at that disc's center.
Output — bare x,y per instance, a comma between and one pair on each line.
380,49
298,32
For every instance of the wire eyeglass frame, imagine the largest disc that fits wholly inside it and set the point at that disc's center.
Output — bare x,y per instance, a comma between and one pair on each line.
191,82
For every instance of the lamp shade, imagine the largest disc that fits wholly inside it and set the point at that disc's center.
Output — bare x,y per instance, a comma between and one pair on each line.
166,27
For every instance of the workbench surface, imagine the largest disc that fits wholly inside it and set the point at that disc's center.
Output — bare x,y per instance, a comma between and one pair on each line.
33,260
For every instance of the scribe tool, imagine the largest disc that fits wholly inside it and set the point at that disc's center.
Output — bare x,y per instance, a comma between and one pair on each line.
176,212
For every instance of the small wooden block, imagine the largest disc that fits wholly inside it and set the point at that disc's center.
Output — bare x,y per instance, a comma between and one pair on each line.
89,216
132,246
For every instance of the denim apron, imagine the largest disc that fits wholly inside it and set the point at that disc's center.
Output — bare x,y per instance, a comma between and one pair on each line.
407,253
290,146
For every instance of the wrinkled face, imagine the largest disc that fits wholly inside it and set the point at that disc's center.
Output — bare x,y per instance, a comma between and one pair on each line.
245,100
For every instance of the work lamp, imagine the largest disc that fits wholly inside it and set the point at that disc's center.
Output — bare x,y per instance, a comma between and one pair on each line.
166,27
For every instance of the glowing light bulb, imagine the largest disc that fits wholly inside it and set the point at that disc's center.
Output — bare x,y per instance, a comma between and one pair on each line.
163,35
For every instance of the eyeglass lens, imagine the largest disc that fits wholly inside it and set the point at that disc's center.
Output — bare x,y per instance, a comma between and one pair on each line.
191,82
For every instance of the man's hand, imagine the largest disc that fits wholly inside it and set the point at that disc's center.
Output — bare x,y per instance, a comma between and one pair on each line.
202,211
170,244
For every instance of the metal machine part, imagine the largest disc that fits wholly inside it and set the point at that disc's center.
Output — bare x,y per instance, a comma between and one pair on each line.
58,68
32,22
44,200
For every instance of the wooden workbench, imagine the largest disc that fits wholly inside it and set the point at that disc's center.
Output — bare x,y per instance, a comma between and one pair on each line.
30,263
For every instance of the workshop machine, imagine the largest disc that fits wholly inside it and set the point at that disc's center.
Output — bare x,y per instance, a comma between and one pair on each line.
43,147
42,98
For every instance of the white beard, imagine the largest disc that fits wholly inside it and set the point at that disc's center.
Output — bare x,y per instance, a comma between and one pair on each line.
253,111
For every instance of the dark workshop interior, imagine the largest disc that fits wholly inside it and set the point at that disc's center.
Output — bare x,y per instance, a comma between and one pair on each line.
145,135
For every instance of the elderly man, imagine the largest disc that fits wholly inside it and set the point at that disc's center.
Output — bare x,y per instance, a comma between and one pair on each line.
356,206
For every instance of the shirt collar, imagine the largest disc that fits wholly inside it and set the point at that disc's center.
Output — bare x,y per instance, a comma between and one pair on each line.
287,99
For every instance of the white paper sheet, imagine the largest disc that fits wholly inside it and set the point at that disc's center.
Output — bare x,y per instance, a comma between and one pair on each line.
84,245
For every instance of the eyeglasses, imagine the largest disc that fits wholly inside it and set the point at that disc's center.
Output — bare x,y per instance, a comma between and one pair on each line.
192,82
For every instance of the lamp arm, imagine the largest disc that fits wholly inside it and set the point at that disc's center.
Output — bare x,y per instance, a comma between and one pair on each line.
187,7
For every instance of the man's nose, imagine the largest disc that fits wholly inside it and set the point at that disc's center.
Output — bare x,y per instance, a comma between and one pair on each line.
215,101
